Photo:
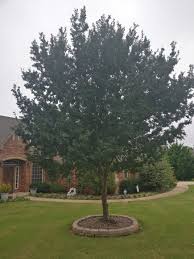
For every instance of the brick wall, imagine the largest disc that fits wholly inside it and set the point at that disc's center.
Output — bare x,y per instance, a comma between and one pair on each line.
13,148
25,177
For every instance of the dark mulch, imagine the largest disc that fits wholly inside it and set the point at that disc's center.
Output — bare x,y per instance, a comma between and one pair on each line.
97,222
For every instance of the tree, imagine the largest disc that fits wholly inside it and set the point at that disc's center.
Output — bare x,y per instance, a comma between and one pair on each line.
182,160
103,101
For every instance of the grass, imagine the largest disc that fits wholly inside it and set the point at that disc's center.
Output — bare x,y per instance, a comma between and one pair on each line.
37,230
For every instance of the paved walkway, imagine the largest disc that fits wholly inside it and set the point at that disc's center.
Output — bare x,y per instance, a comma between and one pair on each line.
180,188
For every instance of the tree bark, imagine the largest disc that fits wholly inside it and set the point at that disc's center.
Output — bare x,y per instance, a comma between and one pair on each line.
104,197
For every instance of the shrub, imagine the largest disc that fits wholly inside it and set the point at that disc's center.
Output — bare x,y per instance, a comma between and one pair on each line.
57,188
5,188
90,184
43,187
181,159
129,185
49,188
158,176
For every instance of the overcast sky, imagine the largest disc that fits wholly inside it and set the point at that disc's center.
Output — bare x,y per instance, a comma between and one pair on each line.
162,21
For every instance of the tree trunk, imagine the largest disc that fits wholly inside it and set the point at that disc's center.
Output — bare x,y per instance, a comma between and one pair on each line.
104,197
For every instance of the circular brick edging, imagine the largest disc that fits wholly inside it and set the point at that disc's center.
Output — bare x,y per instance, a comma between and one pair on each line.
92,232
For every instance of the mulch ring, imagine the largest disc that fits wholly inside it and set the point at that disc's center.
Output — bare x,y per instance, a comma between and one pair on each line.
95,226
97,222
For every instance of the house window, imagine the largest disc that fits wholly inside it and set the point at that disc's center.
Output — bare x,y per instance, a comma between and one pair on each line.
17,177
37,174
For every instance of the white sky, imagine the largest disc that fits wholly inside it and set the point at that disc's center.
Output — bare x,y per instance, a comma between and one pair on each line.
21,20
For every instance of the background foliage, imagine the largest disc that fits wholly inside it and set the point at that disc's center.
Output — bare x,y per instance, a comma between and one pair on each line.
181,159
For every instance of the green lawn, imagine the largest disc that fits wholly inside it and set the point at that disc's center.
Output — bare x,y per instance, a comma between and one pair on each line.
42,230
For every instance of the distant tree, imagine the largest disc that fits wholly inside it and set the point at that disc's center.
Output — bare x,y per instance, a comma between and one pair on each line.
182,160
104,100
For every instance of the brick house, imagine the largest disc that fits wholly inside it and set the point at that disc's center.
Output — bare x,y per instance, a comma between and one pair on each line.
15,169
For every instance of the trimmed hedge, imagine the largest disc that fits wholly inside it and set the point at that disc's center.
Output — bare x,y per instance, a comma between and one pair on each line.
43,187
49,188
57,188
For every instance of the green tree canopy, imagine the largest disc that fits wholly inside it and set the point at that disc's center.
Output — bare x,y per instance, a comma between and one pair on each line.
182,160
103,100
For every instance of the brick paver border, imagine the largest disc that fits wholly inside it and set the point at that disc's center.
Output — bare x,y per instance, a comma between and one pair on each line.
93,232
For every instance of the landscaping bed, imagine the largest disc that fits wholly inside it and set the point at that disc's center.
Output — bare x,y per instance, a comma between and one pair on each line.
93,197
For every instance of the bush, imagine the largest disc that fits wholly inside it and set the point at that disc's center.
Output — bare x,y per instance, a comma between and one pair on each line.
5,188
158,176
90,184
181,159
129,185
48,188
57,188
43,187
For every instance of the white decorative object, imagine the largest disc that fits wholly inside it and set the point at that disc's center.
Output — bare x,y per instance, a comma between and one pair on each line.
137,188
33,191
4,196
125,192
71,192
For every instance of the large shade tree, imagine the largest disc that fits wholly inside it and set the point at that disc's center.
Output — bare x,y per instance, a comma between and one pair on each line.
102,99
